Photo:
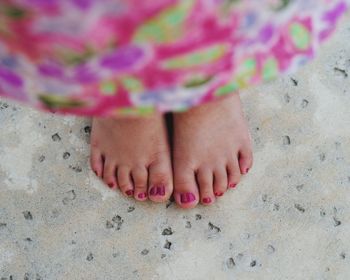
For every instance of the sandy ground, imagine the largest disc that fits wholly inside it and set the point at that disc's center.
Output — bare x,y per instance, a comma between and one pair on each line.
288,219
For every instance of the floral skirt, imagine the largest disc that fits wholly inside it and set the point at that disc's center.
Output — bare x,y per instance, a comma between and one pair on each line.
135,57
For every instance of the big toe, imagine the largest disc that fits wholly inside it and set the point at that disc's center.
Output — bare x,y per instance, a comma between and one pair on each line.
186,190
160,185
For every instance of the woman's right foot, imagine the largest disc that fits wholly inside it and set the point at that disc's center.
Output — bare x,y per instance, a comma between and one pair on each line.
133,155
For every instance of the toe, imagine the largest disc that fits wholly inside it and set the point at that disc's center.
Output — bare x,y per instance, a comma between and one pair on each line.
220,181
109,177
160,185
245,159
186,190
96,162
205,182
124,181
233,173
140,177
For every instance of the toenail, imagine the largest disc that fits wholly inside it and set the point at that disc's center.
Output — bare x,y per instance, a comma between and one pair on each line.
187,197
161,190
158,191
129,192
219,194
111,185
206,200
232,186
141,195
153,191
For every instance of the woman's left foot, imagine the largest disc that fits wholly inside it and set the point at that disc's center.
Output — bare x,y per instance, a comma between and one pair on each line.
212,148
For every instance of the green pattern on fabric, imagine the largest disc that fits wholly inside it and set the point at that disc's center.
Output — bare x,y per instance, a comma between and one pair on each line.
60,102
300,36
132,111
108,88
270,69
245,73
197,82
71,58
133,85
226,89
12,11
200,57
167,27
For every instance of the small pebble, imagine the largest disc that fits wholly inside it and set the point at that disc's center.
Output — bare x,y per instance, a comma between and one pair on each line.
66,155
90,257
304,103
145,252
270,249
167,245
214,228
253,263
87,129
299,208
286,140
188,224
41,158
109,225
167,231
56,137
336,222
295,82
27,215
230,263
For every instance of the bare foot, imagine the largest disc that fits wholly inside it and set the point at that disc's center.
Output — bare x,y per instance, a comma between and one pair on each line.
212,148
133,155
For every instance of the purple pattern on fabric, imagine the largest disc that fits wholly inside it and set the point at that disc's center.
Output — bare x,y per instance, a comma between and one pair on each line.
122,58
11,78
50,70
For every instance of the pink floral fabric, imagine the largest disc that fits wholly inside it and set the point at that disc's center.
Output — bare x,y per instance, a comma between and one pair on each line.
132,57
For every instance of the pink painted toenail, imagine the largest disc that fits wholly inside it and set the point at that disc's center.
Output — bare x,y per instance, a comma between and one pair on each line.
129,192
111,185
153,191
141,195
187,197
219,194
190,197
232,186
161,190
207,200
